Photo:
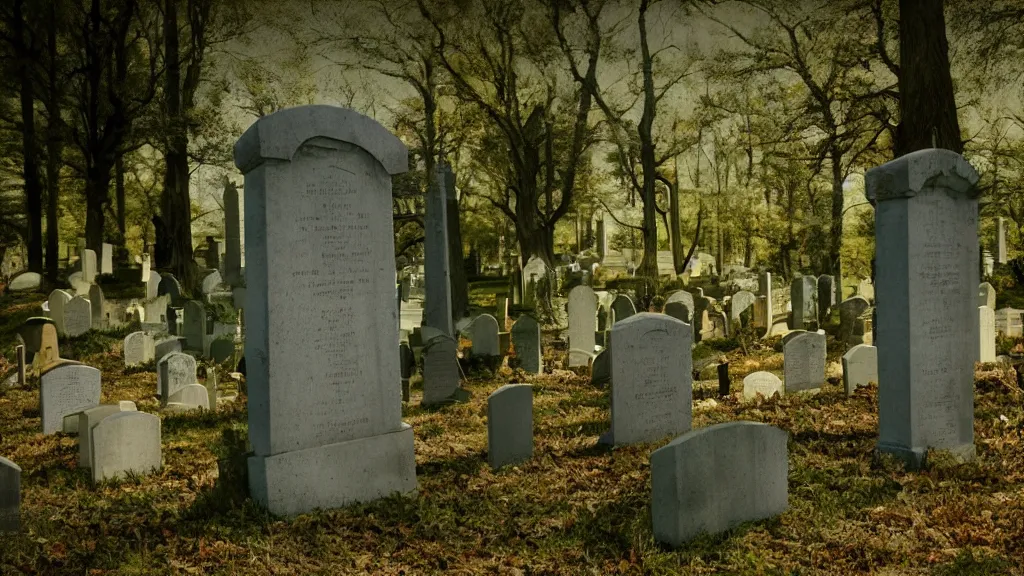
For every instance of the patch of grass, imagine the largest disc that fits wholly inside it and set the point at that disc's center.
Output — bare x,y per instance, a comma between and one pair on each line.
971,563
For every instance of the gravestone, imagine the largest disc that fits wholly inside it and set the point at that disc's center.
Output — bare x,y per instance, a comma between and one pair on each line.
986,296
10,496
232,236
407,362
106,258
622,308
66,389
484,334
49,348
145,271
526,340
849,311
123,443
601,368
927,285
211,282
153,285
320,176
702,326
686,299
58,300
652,388
860,367
764,288
804,294
986,334
510,425
1000,241
678,311
138,348
169,285
19,354
164,347
222,349
804,362
715,478
175,371
88,266
194,325
440,371
24,282
764,383
211,387
77,316
87,420
191,395
155,311
826,297
437,307
740,303
582,324
98,305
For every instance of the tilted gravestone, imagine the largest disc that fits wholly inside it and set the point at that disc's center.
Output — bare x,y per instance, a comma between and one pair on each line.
764,383
622,308
320,176
526,340
510,425
77,316
10,496
64,390
804,362
123,443
715,478
860,367
484,334
926,284
175,371
652,380
582,325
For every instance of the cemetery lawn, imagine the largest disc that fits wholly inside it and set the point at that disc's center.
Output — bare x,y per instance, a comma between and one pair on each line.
576,508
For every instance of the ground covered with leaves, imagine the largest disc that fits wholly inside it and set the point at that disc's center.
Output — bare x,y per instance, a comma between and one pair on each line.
576,508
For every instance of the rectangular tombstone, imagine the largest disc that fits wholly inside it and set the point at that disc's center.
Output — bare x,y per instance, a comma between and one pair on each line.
582,325
77,316
510,425
194,325
10,496
652,379
106,258
88,266
526,339
440,371
138,348
64,390
713,479
804,362
175,371
126,442
232,236
804,296
1001,240
324,409
438,305
192,395
860,367
986,334
87,420
926,302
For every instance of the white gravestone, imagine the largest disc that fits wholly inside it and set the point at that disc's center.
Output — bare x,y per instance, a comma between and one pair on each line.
175,371
211,282
77,316
138,348
191,395
87,420
764,383
106,258
582,324
24,282
153,285
10,496
127,442
860,367
739,303
986,334
88,266
926,297
325,407
98,305
66,389
804,362
510,425
715,478
986,295
526,340
484,334
58,301
652,379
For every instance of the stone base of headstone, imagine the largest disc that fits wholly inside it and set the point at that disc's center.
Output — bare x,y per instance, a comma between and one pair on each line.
915,458
334,475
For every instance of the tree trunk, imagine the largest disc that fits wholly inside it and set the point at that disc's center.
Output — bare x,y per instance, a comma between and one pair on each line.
928,117
121,244
54,149
649,264
33,184
674,223
835,245
96,197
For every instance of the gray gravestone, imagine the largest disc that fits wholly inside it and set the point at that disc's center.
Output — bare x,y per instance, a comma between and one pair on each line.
58,300
826,297
169,285
211,282
804,362
88,266
191,395
176,370
764,288
652,379
440,371
740,303
320,176
10,496
526,340
138,348
87,420
483,332
849,311
232,236
926,217
510,425
153,285
64,390
98,307
804,294
622,308
860,367
194,325
222,349
582,324
601,369
123,443
24,282
77,316
437,312
713,479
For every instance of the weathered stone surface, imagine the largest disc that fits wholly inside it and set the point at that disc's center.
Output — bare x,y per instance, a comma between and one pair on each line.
804,362
526,340
764,383
194,325
440,371
127,442
87,420
601,369
138,348
153,285
849,311
860,367
24,282
10,496
652,379
484,334
804,295
740,303
175,371
712,479
622,308
986,334
66,389
88,266
510,425
927,295
582,324
986,295
58,300
97,305
192,395
437,312
77,316
232,236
